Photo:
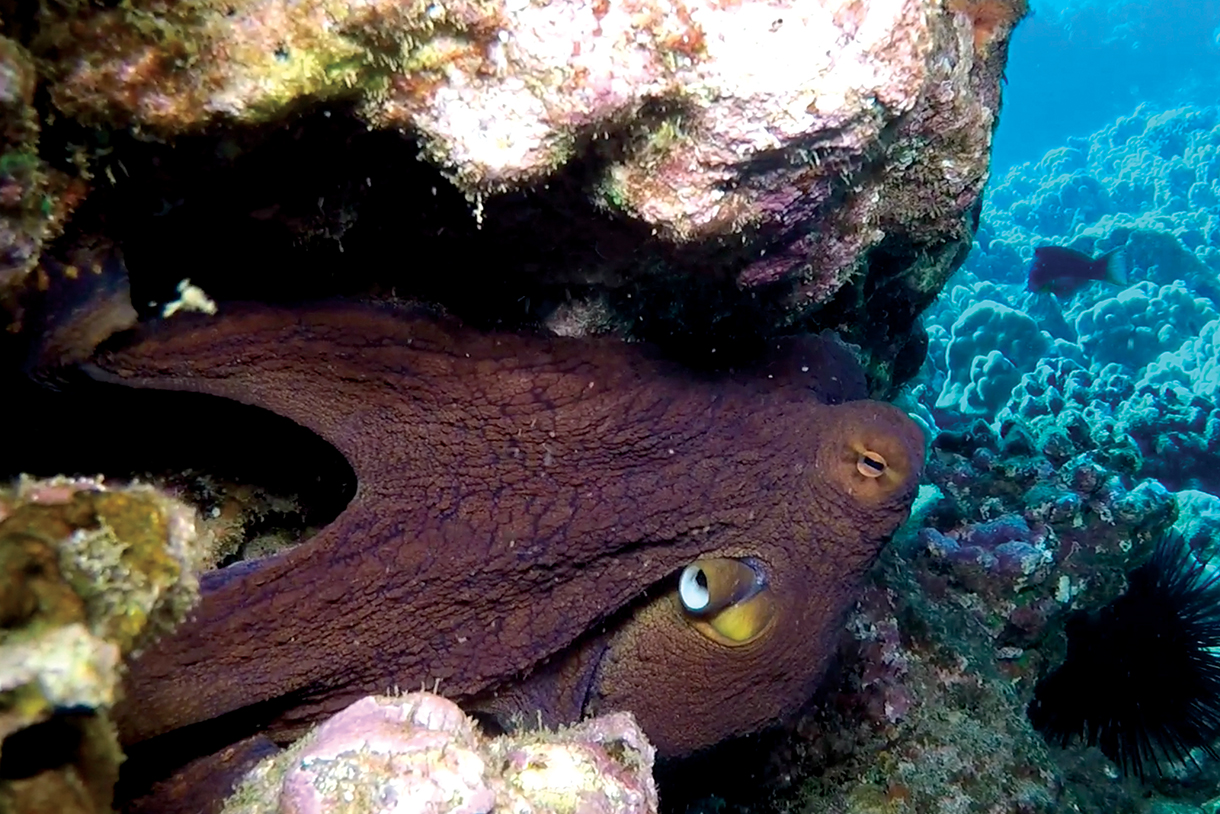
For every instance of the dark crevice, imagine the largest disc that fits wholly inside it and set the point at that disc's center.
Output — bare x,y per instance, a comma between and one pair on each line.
175,439
150,762
48,745
319,207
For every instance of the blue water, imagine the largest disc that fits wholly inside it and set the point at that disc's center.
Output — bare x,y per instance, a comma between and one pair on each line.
1075,65
1109,138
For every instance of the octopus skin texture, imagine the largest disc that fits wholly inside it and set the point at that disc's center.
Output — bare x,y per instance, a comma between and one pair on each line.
524,509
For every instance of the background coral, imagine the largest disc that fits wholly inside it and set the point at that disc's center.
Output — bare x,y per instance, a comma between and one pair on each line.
990,346
1138,324
1121,373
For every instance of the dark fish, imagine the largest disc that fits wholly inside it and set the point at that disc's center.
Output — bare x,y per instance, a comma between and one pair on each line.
1063,272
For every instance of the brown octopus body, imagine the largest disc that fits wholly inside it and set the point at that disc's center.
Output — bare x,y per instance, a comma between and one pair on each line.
536,526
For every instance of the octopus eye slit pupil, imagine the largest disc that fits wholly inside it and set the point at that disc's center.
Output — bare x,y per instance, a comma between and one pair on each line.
871,464
701,578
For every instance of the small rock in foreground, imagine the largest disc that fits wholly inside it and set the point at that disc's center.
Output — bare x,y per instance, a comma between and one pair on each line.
420,754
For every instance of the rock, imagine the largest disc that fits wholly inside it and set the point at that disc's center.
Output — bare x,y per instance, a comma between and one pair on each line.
88,574
828,155
419,753
34,199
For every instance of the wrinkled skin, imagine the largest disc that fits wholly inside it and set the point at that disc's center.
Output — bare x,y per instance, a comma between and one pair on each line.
523,507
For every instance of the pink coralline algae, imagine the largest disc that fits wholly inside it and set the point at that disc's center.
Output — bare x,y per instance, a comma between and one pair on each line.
805,132
420,754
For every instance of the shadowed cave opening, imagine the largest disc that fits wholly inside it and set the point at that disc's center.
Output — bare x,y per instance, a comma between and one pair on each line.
319,206
252,474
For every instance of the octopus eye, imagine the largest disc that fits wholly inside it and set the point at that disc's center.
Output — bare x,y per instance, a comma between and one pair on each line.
693,588
871,464
726,600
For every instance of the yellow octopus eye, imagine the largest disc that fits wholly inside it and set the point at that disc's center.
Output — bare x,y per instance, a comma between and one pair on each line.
726,600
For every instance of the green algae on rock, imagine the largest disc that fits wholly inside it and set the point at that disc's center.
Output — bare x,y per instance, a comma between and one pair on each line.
126,553
88,574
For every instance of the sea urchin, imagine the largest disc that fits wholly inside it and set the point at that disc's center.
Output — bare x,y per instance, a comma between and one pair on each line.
1141,679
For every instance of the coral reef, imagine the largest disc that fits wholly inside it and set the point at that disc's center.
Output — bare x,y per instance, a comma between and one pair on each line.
91,573
1154,426
1141,183
1144,177
1199,521
1062,409
419,753
1136,325
1124,376
990,346
1195,365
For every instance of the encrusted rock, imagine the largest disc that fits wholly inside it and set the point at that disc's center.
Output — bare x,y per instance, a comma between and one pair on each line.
34,199
419,754
88,573
836,150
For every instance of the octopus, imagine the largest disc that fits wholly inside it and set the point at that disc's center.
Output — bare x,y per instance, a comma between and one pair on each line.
544,529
